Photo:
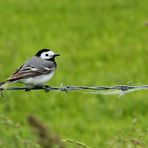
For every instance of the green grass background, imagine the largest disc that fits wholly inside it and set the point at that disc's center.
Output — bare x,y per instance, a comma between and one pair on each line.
101,43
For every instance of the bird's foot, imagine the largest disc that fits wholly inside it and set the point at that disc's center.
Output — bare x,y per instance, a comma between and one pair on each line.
27,90
46,88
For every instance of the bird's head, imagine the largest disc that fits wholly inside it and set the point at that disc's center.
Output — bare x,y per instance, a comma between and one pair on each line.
46,54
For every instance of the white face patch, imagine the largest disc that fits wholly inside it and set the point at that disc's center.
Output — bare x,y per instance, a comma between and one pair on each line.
47,55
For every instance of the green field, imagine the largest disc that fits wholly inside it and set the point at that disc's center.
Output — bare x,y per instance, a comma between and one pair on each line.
101,43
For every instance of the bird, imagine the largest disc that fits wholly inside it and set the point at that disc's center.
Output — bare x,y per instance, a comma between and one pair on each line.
36,71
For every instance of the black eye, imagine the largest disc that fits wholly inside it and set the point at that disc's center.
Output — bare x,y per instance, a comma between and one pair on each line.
46,55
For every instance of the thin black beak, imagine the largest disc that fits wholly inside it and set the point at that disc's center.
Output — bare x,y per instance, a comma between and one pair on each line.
55,55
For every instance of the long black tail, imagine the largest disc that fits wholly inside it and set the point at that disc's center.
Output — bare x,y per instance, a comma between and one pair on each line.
2,84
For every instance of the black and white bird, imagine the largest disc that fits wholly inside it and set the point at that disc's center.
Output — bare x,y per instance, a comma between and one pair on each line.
36,71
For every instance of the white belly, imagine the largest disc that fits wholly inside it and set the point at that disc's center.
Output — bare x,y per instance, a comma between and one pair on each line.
38,80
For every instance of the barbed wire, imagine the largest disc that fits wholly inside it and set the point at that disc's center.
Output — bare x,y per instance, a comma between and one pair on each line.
117,89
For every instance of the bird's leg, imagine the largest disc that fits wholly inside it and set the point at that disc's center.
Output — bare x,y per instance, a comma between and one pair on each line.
46,88
27,90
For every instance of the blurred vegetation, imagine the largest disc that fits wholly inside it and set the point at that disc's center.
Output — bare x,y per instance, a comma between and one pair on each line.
101,43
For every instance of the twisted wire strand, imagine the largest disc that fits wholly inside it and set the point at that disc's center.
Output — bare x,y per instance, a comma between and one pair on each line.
117,89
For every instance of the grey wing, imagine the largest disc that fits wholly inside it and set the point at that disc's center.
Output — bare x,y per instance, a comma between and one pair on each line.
29,72
30,69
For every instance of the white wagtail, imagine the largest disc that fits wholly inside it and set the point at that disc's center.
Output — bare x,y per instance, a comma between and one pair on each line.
36,71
